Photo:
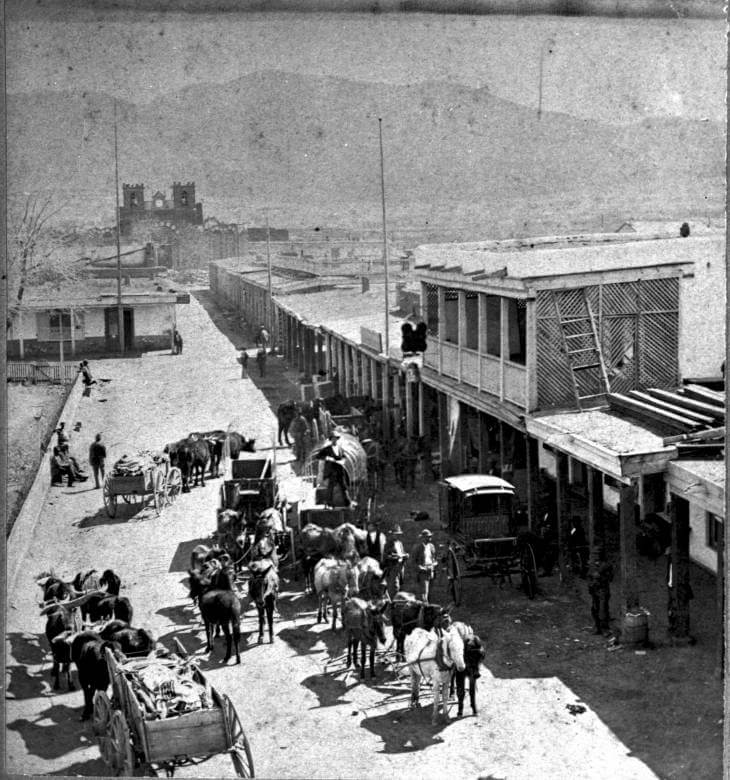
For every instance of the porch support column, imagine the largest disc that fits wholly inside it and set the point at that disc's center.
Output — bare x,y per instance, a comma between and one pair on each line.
397,410
348,370
72,317
595,509
561,511
386,404
374,379
629,581
409,408
530,468
720,601
20,334
680,590
421,416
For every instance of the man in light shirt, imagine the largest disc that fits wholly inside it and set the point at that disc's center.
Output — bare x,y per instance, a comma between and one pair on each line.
424,558
395,558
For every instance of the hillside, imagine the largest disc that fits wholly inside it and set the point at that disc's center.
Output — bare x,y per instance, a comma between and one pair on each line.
309,148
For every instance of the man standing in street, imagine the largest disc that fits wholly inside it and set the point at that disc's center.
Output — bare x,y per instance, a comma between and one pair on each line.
261,360
424,559
395,561
375,542
243,360
97,458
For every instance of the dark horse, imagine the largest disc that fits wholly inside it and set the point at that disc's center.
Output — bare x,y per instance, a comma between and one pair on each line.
263,588
219,606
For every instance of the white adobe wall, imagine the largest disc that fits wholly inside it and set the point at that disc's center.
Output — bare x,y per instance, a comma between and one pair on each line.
93,323
152,320
698,549
702,311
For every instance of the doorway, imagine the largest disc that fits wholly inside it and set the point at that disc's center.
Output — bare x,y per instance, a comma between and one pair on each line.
111,328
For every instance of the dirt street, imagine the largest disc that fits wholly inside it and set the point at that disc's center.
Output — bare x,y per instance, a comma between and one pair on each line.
304,715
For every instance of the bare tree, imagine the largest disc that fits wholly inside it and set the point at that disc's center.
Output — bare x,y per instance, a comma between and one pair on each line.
32,257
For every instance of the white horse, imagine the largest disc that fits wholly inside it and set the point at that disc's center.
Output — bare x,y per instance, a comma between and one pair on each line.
433,657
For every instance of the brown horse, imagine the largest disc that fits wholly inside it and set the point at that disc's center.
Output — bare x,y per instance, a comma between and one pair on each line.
263,588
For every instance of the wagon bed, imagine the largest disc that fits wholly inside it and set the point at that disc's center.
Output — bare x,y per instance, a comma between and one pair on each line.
157,480
129,740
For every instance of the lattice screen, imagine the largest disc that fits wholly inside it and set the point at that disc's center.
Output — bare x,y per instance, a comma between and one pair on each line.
432,309
637,324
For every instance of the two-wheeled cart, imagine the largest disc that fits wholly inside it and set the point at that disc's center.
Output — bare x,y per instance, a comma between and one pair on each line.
157,479
477,512
133,740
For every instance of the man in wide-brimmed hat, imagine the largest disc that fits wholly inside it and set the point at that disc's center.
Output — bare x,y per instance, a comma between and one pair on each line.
424,559
334,470
394,560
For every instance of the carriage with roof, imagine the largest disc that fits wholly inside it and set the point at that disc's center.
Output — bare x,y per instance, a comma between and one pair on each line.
478,513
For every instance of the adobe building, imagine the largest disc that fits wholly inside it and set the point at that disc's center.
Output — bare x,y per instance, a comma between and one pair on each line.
181,209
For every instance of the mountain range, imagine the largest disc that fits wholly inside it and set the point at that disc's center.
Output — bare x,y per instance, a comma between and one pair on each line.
308,148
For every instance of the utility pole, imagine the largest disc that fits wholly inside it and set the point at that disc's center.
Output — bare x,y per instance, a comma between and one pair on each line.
120,309
385,243
547,45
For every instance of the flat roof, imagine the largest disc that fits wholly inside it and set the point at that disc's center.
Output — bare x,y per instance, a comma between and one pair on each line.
541,258
710,471
480,483
344,309
615,445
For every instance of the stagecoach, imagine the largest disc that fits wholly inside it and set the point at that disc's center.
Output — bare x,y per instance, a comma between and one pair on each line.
135,737
478,513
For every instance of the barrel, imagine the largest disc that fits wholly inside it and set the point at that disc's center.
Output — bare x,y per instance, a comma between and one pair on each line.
636,628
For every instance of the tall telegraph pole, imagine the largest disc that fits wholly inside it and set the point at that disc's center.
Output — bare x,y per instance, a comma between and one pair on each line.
385,240
120,309
270,313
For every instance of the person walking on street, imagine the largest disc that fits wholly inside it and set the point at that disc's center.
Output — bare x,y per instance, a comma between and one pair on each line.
395,558
85,371
375,542
97,458
243,360
177,343
424,559
298,429
261,360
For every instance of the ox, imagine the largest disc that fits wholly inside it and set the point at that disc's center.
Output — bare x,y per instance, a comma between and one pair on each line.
88,653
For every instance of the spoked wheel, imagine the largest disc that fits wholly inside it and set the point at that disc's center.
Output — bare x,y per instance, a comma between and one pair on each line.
174,484
240,749
454,573
110,499
528,570
160,491
121,754
102,714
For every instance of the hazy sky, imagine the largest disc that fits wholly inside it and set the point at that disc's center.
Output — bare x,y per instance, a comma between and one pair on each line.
609,69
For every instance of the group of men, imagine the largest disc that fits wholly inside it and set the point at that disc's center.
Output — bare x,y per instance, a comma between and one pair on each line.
63,464
392,556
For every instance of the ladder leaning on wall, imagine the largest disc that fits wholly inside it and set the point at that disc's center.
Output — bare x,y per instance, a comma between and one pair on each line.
581,345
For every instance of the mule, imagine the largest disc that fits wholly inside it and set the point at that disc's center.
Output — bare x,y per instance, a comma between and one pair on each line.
474,655
433,658
370,584
364,624
263,588
334,580
408,613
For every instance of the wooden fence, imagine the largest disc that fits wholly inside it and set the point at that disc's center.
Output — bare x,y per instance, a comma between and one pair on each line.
41,371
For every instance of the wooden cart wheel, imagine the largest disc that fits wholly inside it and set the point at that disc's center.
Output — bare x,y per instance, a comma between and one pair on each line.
102,713
454,573
121,754
528,570
110,499
240,749
174,484
159,490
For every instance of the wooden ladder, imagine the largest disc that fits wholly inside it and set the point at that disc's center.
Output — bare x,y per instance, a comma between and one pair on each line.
587,334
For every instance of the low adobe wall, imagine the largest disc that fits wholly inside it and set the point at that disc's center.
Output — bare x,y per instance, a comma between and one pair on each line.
21,534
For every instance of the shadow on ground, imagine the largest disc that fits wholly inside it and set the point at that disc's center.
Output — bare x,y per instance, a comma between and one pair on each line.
405,731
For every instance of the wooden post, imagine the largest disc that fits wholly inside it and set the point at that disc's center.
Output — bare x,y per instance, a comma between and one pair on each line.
629,583
374,379
595,509
720,601
529,471
443,412
348,370
386,400
396,401
421,418
561,512
484,456
501,448
172,329
73,331
409,408
680,590
20,334
504,344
